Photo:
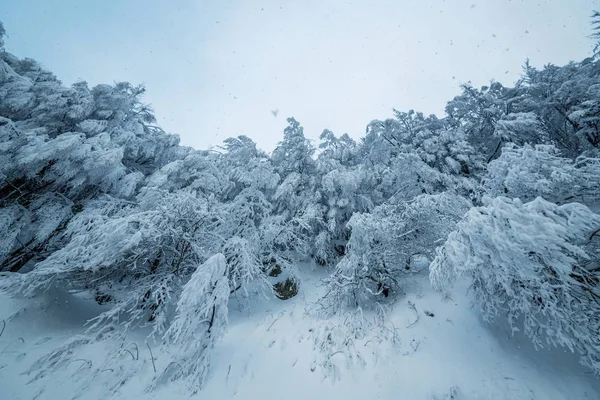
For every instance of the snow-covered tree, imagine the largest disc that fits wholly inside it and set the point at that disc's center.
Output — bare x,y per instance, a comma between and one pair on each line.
133,256
200,322
295,199
294,153
564,99
345,187
477,111
586,116
528,172
342,150
196,172
526,263
344,191
521,128
429,155
247,167
2,34
244,264
596,30
63,147
384,244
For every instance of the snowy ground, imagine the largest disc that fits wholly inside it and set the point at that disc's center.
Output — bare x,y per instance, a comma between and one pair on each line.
275,351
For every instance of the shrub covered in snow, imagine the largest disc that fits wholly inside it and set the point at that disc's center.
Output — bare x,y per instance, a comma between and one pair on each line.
383,244
528,172
200,321
527,263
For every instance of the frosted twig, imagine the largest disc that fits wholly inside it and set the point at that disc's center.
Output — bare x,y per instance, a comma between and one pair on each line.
11,343
132,356
273,323
415,344
412,307
84,362
334,353
151,357
137,351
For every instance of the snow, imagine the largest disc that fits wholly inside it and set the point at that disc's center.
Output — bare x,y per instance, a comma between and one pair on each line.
274,349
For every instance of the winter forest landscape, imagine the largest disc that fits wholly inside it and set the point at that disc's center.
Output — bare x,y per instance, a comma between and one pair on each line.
448,256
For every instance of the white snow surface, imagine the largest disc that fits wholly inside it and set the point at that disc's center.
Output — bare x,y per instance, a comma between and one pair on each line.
279,350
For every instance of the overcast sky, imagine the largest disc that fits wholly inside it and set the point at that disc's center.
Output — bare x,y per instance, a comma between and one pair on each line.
215,69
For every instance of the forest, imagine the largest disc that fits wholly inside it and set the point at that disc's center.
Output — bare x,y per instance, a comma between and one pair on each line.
497,198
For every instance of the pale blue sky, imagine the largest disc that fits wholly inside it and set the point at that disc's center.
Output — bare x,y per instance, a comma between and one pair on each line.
215,69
